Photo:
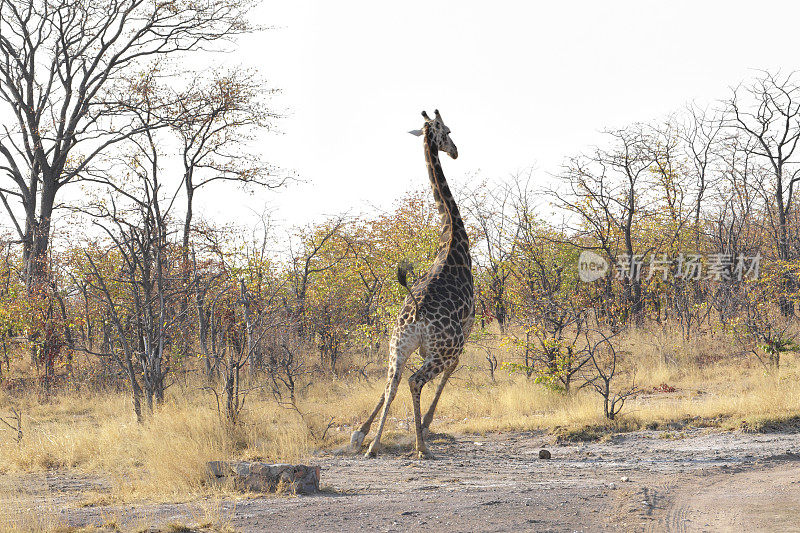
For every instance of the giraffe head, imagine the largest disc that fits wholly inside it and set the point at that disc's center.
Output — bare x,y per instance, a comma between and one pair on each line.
435,129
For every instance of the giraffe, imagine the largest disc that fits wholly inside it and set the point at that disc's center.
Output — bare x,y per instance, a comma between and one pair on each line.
439,310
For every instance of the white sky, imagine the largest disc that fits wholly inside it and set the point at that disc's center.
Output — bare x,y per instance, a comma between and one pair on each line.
521,84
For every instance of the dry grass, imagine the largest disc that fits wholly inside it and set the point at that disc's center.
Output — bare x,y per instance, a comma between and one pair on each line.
19,515
166,454
164,459
710,388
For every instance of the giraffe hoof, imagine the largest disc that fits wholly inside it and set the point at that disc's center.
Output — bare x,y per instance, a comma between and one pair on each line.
356,439
372,452
425,455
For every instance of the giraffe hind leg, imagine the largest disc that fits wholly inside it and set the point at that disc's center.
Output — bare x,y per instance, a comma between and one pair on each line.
428,418
429,370
448,371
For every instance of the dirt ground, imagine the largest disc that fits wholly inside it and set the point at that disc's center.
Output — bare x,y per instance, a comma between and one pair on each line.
693,480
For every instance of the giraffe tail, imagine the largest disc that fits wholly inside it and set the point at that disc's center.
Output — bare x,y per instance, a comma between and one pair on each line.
403,269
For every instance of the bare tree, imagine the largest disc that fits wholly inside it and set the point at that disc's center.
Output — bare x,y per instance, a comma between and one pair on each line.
760,330
205,278
702,135
549,306
62,63
609,192
144,310
216,118
491,210
15,425
141,294
310,260
767,112
735,225
242,326
605,358
671,184
284,364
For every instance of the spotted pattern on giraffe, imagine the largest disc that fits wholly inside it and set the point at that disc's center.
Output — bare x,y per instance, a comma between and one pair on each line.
437,315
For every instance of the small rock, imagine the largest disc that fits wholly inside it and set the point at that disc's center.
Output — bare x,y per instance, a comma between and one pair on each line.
624,479
478,443
612,485
544,454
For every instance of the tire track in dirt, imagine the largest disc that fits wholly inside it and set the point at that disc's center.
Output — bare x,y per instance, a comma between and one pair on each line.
672,515
761,497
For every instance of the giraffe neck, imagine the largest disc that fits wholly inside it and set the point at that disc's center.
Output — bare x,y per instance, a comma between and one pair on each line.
453,239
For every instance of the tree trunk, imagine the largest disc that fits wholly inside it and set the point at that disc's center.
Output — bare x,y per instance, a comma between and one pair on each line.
136,390
38,235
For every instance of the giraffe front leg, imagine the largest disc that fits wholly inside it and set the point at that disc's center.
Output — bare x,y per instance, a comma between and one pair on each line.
388,396
357,437
405,340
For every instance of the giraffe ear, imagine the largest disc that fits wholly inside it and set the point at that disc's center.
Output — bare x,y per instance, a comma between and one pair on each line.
416,132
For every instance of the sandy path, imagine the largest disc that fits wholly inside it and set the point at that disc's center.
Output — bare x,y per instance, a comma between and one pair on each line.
698,480
757,499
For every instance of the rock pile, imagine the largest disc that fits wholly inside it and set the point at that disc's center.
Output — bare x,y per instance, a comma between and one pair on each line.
264,477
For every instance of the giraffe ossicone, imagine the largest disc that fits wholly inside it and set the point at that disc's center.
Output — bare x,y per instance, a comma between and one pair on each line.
437,315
